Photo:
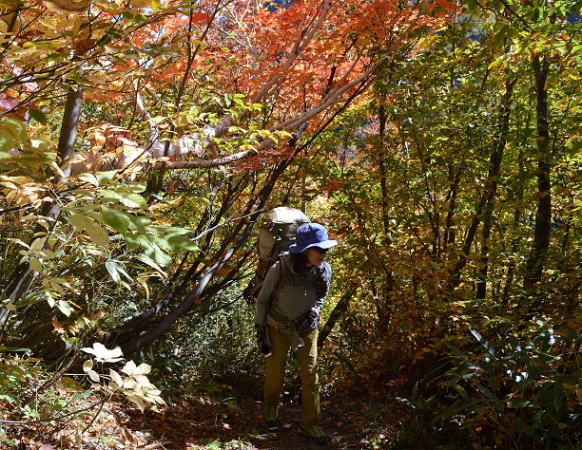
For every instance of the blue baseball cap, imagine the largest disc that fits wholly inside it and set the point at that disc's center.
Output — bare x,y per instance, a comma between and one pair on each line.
311,235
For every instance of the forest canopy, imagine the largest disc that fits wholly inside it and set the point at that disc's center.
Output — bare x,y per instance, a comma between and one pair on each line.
142,143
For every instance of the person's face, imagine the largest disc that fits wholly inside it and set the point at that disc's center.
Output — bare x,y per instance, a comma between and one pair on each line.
315,256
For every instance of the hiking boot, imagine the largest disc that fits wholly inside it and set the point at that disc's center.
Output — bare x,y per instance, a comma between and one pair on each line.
271,413
315,433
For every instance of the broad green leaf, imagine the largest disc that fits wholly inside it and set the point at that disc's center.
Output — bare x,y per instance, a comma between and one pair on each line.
65,307
79,221
38,115
115,219
97,233
162,257
129,199
35,264
37,245
89,178
50,299
69,384
105,177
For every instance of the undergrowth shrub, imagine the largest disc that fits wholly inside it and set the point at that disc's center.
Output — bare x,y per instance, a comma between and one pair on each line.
509,391
218,349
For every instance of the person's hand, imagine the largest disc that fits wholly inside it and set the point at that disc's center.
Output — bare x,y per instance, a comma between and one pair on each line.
250,295
260,333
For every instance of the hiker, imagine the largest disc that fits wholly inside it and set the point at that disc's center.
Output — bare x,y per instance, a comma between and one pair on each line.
287,316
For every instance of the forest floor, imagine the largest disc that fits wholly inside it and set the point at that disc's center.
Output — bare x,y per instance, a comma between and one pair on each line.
216,422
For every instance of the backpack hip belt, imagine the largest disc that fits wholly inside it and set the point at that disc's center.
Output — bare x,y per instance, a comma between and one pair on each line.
287,327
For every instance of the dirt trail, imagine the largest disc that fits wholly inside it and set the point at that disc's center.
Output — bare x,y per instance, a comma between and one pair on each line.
234,423
212,422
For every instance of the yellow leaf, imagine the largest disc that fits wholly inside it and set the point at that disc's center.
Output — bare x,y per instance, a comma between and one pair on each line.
116,378
68,5
77,25
97,233
99,138
495,63
93,375
35,265
87,365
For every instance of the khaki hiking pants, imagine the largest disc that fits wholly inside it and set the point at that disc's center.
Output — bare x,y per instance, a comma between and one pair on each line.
275,364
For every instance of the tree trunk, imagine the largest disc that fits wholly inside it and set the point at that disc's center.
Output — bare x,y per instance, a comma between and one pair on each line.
455,180
23,276
490,189
514,227
387,239
383,184
145,328
336,315
135,334
503,132
68,133
539,251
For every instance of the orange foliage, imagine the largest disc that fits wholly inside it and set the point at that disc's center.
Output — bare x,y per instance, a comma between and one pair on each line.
300,60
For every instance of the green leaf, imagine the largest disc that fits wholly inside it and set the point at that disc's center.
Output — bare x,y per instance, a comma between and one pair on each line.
89,178
112,269
50,299
105,177
65,307
97,233
461,390
38,115
79,221
122,271
180,242
115,219
129,199
147,260
12,133
161,257
140,222
70,385
35,264
8,441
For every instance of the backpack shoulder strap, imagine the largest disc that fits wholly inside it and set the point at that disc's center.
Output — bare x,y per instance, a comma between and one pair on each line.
283,274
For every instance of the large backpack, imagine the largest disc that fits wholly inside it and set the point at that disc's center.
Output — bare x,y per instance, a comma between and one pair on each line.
277,234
